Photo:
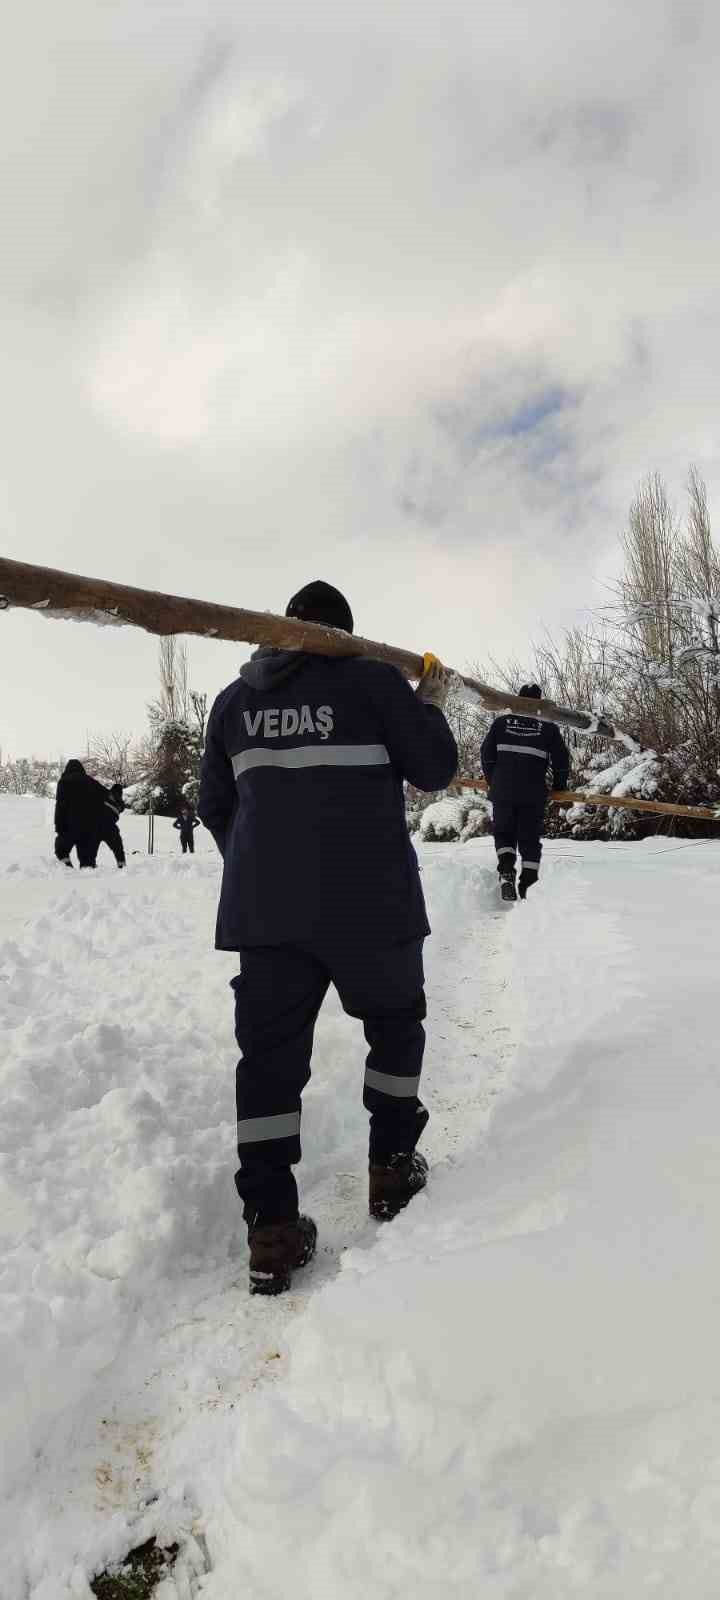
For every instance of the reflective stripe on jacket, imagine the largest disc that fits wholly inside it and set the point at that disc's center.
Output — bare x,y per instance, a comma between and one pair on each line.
517,753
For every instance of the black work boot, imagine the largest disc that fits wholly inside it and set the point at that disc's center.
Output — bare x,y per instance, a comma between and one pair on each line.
276,1250
528,877
507,884
394,1182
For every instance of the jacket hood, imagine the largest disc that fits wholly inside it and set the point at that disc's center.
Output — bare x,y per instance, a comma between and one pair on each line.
74,769
269,667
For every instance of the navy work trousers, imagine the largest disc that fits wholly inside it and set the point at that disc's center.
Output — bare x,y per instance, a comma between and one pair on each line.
112,837
86,844
278,994
517,827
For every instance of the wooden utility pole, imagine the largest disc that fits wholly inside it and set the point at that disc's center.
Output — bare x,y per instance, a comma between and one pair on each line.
66,596
568,797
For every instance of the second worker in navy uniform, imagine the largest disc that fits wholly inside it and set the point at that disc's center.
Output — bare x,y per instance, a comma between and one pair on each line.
516,756
302,788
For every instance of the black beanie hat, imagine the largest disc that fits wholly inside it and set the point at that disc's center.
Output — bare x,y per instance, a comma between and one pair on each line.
530,691
319,602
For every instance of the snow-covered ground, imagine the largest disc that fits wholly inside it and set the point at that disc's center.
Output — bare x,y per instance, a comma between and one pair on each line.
508,1392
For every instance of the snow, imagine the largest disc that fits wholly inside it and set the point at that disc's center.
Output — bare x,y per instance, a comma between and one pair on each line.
102,619
508,1392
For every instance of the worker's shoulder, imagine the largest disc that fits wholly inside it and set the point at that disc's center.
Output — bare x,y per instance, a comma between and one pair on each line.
368,671
236,689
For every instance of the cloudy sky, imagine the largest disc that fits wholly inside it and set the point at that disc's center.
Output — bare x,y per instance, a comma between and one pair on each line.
408,297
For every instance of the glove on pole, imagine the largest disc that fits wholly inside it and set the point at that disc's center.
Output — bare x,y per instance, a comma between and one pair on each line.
434,685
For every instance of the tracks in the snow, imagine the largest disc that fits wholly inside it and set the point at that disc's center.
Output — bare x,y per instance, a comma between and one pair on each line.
132,1452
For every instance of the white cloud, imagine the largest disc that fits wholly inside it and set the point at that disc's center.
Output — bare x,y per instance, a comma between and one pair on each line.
403,290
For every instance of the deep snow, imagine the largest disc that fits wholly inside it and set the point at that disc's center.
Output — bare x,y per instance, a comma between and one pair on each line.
508,1392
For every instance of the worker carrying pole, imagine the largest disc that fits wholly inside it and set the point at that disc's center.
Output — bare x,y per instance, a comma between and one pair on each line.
516,755
302,788
66,596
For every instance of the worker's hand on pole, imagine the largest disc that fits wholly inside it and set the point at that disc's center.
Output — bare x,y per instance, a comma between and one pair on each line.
434,684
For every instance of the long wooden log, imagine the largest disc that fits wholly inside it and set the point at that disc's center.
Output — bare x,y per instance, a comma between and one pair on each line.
568,797
69,597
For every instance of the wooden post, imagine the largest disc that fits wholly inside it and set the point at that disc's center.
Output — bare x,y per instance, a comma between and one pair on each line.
66,596
568,797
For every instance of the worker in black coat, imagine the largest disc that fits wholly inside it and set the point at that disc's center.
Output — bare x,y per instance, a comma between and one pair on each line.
302,788
516,756
111,835
80,812
187,823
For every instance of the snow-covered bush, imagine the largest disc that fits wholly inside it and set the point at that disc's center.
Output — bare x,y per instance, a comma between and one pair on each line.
443,820
673,777
455,817
478,820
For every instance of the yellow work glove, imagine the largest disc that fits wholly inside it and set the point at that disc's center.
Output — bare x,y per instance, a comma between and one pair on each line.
435,682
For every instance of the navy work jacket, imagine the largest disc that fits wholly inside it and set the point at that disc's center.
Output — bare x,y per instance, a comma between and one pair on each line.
516,755
302,789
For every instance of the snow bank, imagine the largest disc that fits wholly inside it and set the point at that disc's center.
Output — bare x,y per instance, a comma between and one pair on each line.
509,1392
118,1212
113,1108
513,1392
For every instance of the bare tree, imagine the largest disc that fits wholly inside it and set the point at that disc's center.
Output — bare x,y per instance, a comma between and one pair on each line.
666,654
198,706
578,671
649,631
702,560
649,583
700,567
114,758
173,703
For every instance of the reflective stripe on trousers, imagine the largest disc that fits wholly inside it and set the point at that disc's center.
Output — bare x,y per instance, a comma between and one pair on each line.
257,1130
390,1083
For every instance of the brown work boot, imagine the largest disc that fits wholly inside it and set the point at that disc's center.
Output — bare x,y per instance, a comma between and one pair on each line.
394,1183
276,1249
